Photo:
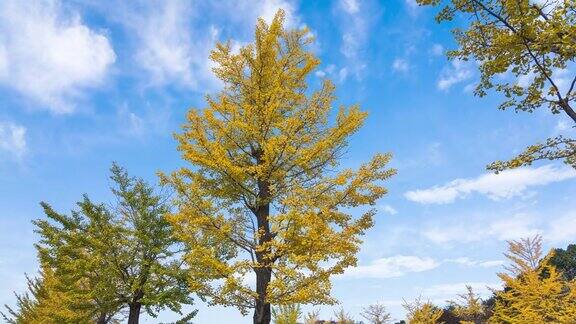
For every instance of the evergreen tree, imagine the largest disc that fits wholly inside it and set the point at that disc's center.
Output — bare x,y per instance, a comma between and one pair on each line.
565,261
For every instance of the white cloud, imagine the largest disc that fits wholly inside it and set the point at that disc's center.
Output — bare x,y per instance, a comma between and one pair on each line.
169,47
412,7
469,88
350,6
329,70
456,72
507,184
563,78
434,154
505,227
354,34
513,228
562,126
388,209
3,62
49,55
247,11
451,290
351,42
501,228
268,9
562,229
340,75
400,65
174,48
465,261
437,50
12,139
131,123
395,266
526,79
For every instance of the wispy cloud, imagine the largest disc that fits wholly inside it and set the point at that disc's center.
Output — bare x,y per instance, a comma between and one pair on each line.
451,290
504,185
331,71
466,261
458,71
355,32
400,265
562,229
388,209
169,47
268,8
502,227
12,140
437,50
390,267
400,65
173,45
412,7
49,55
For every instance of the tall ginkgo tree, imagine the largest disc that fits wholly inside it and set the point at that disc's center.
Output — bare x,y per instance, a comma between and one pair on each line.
263,208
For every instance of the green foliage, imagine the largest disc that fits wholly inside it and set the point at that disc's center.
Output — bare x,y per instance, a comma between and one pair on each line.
110,258
565,261
557,148
26,304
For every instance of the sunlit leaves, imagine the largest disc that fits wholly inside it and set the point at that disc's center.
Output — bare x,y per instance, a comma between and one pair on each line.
264,190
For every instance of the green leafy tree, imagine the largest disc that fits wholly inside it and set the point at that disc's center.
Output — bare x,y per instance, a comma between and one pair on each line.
532,40
565,261
123,256
263,182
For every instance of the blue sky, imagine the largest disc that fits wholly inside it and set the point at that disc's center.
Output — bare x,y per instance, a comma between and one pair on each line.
84,83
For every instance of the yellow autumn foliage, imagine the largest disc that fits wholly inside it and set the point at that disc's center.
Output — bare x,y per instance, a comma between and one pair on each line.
534,291
261,197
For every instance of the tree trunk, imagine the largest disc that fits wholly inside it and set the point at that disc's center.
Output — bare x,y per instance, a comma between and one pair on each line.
102,319
262,312
134,313
567,109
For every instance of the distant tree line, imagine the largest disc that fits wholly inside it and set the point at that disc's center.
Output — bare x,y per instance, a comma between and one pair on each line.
537,288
